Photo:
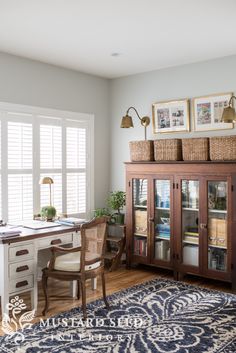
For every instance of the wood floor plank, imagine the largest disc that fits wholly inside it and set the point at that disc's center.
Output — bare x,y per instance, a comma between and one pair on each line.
60,300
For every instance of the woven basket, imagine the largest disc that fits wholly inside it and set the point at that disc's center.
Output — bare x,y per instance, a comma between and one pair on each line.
168,150
223,148
141,151
195,149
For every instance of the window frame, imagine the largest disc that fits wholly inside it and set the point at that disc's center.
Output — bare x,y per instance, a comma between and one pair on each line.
38,116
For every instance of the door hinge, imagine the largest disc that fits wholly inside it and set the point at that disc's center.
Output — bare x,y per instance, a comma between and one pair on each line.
232,266
232,188
129,184
177,185
173,185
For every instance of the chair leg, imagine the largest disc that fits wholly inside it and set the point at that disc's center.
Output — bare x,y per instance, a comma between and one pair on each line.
78,289
104,290
45,291
84,299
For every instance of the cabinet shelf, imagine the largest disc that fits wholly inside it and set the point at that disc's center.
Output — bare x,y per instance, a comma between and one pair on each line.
190,209
161,238
163,208
217,247
140,235
190,242
217,211
140,206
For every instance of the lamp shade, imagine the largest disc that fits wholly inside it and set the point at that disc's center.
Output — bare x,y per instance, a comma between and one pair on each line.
126,122
46,180
229,115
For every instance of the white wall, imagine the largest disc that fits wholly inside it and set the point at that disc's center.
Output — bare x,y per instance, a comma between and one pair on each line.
30,82
141,91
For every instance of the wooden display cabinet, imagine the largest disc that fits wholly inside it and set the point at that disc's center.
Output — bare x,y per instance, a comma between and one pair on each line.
182,216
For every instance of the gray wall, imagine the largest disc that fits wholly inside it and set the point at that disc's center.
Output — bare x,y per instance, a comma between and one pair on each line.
141,91
30,82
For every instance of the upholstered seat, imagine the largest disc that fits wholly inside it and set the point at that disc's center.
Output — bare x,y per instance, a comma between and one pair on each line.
71,262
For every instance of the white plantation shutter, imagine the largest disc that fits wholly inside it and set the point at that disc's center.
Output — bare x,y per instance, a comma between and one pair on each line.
19,145
76,193
76,147
20,197
56,192
35,143
50,147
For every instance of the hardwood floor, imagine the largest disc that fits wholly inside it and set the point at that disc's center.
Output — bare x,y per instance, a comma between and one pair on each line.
115,281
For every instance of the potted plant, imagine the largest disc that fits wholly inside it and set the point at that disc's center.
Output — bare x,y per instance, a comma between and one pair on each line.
99,212
116,201
48,213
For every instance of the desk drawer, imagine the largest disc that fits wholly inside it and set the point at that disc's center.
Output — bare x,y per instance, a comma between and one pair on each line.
19,269
55,240
21,284
21,252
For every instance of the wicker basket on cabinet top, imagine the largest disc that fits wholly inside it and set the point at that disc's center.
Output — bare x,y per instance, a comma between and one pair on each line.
141,151
168,150
223,148
195,149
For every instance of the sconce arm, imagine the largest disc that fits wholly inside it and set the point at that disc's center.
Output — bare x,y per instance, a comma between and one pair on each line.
135,112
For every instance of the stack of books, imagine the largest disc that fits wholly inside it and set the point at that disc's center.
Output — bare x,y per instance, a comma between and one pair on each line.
192,237
163,230
71,221
9,231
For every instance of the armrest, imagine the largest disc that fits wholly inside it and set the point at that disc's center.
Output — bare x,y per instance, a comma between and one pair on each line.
59,249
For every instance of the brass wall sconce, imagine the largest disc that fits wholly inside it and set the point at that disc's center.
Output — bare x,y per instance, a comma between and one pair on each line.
127,121
229,114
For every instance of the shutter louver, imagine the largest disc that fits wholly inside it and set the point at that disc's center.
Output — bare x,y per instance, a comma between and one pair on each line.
50,147
76,147
20,197
19,145
76,193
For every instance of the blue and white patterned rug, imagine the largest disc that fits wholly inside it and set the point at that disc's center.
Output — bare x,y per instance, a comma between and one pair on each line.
158,316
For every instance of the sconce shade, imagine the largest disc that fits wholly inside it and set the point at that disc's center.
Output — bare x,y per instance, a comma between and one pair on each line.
126,122
46,180
229,115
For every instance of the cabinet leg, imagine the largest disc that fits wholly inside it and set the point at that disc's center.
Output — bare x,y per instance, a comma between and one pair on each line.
73,289
176,277
180,276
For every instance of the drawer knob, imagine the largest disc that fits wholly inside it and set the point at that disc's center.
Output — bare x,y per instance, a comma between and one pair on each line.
22,268
21,284
22,252
56,241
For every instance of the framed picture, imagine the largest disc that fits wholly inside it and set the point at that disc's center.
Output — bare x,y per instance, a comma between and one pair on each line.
207,112
170,116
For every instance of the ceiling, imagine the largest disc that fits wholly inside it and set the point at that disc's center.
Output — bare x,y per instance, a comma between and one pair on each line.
148,34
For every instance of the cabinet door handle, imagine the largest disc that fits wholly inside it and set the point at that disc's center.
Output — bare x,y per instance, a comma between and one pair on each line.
56,241
22,268
21,284
203,226
22,252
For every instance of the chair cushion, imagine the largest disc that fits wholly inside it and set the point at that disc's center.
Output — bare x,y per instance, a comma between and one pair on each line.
71,262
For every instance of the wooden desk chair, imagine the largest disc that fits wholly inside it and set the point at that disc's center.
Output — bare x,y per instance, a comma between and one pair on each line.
80,263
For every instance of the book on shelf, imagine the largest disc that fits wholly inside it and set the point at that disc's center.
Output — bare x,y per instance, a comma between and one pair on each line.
163,235
191,239
191,234
140,247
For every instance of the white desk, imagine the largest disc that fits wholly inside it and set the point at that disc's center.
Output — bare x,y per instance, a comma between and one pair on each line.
19,260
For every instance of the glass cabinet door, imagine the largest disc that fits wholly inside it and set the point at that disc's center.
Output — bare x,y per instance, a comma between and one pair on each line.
217,225
190,220
162,220
140,236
